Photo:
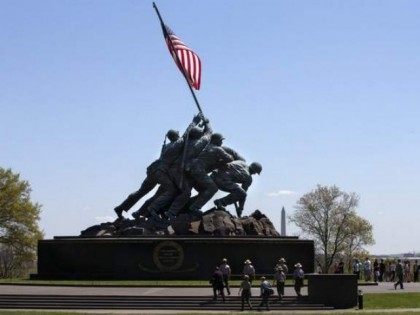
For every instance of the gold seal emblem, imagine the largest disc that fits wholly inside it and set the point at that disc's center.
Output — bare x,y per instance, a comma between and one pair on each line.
168,256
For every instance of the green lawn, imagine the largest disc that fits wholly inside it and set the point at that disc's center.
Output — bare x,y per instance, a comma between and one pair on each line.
392,300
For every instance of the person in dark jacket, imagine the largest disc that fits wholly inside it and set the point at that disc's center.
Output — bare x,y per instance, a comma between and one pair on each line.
399,272
245,292
376,270
382,269
341,267
298,276
217,284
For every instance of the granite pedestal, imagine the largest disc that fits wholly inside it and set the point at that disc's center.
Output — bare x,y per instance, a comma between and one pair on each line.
336,290
163,257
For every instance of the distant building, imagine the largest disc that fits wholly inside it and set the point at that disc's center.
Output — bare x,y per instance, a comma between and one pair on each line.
283,222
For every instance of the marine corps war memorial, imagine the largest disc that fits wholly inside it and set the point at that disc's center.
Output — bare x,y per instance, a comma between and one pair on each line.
174,234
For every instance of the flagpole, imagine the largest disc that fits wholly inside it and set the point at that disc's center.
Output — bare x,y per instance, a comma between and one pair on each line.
177,58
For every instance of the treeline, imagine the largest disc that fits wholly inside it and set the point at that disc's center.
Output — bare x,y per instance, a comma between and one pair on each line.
19,229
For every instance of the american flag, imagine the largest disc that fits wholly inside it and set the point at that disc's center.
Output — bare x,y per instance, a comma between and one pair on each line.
188,61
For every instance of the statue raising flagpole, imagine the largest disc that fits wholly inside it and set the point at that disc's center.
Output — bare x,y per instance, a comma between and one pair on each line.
189,64
179,185
196,160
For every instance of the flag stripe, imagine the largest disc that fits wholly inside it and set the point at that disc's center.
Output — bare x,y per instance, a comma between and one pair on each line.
186,59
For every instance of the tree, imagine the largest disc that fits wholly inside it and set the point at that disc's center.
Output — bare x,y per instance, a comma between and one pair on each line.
360,234
19,229
328,215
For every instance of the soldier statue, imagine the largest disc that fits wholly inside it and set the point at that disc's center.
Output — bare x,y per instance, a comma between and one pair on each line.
196,160
212,157
157,173
227,179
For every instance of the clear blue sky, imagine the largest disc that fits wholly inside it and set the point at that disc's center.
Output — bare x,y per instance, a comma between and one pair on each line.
318,91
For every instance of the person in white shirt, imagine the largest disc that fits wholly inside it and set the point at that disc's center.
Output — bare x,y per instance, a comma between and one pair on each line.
226,271
266,291
280,278
282,263
392,268
249,270
367,268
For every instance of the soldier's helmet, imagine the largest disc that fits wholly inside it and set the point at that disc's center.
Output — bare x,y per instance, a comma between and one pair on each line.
195,133
256,167
216,137
172,135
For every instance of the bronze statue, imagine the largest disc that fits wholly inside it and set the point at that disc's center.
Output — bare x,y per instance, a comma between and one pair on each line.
227,179
197,142
185,163
157,173
212,157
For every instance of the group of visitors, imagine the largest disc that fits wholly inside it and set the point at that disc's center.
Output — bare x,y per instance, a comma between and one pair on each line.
222,274
389,270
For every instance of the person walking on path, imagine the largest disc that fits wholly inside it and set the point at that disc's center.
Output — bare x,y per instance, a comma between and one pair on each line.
407,271
416,269
280,278
392,268
376,270
226,271
249,270
399,272
382,269
266,291
298,275
217,284
367,268
356,268
245,292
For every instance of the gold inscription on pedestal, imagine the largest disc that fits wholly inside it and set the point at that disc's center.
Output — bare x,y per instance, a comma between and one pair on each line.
168,256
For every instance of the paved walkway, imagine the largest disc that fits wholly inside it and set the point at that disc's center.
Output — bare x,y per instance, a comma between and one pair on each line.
164,291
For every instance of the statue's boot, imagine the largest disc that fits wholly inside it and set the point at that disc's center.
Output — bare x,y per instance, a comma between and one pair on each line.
136,215
119,210
220,205
238,211
154,215
170,215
